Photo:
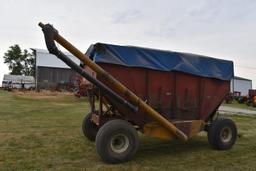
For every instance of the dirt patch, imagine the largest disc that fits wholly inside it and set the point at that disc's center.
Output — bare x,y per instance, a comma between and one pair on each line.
42,94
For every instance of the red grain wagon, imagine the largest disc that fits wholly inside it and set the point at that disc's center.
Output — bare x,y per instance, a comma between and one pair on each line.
160,93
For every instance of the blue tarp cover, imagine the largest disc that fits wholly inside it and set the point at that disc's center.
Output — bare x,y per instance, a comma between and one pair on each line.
162,60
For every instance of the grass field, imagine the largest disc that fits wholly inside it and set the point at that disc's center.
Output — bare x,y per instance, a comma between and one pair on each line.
42,132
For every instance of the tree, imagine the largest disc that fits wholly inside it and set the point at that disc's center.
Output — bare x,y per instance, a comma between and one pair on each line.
20,63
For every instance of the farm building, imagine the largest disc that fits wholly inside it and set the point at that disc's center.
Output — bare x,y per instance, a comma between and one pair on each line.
18,82
242,85
52,73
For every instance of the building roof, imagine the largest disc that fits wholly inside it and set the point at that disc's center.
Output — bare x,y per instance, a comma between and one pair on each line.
45,59
241,78
162,60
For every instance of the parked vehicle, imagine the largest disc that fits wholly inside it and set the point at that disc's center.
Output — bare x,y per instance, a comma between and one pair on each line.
251,101
18,82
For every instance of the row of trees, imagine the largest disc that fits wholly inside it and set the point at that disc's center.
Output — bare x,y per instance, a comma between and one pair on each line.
20,62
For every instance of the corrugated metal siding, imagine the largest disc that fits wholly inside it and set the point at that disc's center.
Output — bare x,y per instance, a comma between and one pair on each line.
18,81
51,78
240,85
19,78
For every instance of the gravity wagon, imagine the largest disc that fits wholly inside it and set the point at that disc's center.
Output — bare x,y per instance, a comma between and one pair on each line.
159,93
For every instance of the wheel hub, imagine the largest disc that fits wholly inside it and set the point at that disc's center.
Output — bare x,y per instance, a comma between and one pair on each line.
226,134
119,143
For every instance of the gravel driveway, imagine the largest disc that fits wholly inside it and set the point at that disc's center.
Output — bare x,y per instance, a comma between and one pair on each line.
227,109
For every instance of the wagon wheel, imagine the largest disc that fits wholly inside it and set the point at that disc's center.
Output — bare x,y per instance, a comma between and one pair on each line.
117,141
89,128
222,134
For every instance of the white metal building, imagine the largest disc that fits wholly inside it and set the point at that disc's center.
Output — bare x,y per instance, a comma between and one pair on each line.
51,72
242,85
18,81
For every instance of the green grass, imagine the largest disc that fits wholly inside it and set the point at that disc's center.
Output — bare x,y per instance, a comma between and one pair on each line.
44,134
240,105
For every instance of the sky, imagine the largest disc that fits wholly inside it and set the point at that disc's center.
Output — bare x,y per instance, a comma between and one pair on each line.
218,28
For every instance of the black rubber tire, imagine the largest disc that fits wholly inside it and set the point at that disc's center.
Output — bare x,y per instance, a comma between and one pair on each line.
215,134
105,136
89,128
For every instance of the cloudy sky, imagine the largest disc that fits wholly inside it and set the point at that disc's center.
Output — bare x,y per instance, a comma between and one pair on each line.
218,28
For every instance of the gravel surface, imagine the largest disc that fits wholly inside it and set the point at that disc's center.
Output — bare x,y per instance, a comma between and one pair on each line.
227,109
